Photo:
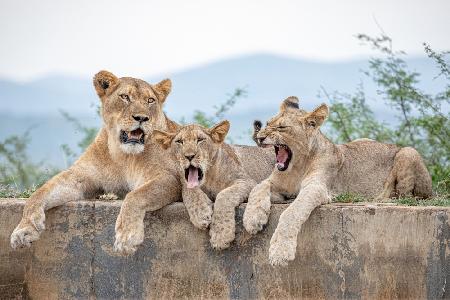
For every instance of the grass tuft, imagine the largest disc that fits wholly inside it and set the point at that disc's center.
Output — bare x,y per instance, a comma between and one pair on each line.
8,191
348,198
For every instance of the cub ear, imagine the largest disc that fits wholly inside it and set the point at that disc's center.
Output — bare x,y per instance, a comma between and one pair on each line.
289,102
219,131
104,82
317,116
163,138
163,89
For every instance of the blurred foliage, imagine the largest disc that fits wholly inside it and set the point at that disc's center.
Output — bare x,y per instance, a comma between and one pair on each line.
17,171
206,120
421,122
88,136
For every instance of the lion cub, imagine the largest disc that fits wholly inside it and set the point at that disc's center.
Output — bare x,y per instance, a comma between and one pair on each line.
209,168
313,169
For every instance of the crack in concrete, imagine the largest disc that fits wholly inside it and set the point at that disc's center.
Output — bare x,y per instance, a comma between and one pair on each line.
92,238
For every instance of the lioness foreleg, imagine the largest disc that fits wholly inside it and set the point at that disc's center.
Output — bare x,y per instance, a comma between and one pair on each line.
151,196
223,229
257,211
67,186
199,207
283,244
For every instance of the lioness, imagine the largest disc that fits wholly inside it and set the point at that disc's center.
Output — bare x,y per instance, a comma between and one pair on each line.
210,169
122,159
312,168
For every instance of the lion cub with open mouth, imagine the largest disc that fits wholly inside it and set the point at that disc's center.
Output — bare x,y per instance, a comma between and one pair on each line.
209,168
312,169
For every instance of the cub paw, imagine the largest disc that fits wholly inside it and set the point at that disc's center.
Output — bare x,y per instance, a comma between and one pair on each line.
282,251
201,217
221,238
128,239
254,220
28,230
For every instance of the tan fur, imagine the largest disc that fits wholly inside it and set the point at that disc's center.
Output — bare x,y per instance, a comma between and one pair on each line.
225,177
320,169
141,170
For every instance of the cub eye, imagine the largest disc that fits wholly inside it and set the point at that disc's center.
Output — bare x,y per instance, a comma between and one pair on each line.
282,127
200,140
151,100
125,97
180,142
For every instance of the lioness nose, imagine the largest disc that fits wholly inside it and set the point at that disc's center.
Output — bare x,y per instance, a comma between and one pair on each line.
140,118
189,157
261,139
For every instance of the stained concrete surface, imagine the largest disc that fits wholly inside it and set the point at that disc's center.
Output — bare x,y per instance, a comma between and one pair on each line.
344,251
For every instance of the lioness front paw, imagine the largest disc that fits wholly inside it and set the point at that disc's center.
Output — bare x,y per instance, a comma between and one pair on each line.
255,219
128,238
281,251
23,236
201,216
28,230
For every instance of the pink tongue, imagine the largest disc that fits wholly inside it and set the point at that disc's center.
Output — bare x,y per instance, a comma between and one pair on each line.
192,178
282,156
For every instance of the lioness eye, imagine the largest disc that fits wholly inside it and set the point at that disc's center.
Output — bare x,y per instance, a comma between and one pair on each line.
282,127
200,140
151,100
179,142
124,97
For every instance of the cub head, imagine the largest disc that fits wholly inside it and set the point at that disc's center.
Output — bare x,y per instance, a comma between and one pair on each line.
292,132
131,108
194,148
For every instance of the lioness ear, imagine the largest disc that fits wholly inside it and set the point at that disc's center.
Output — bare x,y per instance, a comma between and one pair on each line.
289,102
163,89
104,82
163,138
219,131
317,116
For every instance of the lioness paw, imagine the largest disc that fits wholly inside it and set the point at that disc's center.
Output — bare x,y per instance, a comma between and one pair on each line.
282,251
255,219
23,236
28,230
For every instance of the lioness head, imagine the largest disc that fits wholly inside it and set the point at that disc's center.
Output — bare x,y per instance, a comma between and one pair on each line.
291,132
194,148
131,108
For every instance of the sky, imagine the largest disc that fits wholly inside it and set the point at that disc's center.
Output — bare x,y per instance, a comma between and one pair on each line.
147,38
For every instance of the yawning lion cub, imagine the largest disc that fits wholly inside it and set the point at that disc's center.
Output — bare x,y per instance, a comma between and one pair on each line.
312,168
209,168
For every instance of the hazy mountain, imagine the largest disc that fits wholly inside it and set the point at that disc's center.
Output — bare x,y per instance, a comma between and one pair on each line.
267,78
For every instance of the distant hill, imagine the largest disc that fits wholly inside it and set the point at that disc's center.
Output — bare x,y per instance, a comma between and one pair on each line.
267,78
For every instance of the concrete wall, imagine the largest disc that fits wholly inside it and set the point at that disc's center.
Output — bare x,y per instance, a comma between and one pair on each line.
345,251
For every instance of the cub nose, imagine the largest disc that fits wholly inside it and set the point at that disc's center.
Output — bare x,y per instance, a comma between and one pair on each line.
189,157
140,118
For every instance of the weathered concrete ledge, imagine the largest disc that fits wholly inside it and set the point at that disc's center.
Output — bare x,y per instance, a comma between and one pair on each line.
345,251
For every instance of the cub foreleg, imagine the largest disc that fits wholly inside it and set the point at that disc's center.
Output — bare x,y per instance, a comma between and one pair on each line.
257,211
283,244
199,207
222,230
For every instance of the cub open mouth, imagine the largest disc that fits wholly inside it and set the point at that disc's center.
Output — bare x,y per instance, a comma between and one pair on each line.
132,137
284,155
193,176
